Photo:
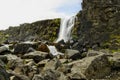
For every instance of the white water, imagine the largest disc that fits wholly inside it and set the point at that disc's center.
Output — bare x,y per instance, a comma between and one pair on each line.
54,51
65,29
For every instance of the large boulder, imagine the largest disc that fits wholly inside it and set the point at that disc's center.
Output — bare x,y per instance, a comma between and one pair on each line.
52,64
24,47
50,75
36,56
72,54
3,74
4,49
43,48
115,60
93,53
13,62
95,67
15,76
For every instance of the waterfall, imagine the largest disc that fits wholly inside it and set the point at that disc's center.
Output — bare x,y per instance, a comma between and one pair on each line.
65,28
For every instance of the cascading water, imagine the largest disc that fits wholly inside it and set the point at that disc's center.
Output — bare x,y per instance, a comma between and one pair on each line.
54,51
64,34
65,28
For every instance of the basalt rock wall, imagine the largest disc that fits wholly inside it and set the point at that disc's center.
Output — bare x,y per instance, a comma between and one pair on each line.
98,23
40,30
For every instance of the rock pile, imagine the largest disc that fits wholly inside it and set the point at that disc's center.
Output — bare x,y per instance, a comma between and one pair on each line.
40,64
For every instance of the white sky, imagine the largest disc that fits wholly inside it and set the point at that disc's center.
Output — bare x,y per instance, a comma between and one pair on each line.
15,12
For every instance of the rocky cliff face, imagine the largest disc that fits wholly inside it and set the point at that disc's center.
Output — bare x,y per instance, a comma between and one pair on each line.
98,24
45,30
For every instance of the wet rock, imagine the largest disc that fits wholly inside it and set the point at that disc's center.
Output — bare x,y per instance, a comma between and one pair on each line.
72,54
53,51
61,42
95,67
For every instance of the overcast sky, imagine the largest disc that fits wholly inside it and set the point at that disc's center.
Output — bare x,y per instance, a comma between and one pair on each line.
15,12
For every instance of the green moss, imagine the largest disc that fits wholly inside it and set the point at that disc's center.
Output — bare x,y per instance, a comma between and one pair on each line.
3,36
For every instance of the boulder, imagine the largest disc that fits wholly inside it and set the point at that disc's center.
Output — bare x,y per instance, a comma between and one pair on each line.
37,77
50,75
115,60
8,57
36,56
42,63
29,70
31,50
15,76
4,49
64,68
94,67
13,62
52,64
43,48
77,76
3,74
24,47
3,58
93,53
72,54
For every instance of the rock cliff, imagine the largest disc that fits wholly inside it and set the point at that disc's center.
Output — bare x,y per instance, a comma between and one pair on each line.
40,30
98,24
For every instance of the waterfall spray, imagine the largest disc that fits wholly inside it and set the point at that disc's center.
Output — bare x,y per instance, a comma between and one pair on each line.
65,28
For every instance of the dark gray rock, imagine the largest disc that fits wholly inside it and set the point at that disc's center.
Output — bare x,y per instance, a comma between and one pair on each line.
95,67
3,74
4,49
72,54
52,64
115,60
18,76
93,53
37,56
37,77
50,75
23,48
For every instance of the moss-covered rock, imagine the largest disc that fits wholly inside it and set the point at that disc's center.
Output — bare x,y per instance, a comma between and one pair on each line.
40,30
99,23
